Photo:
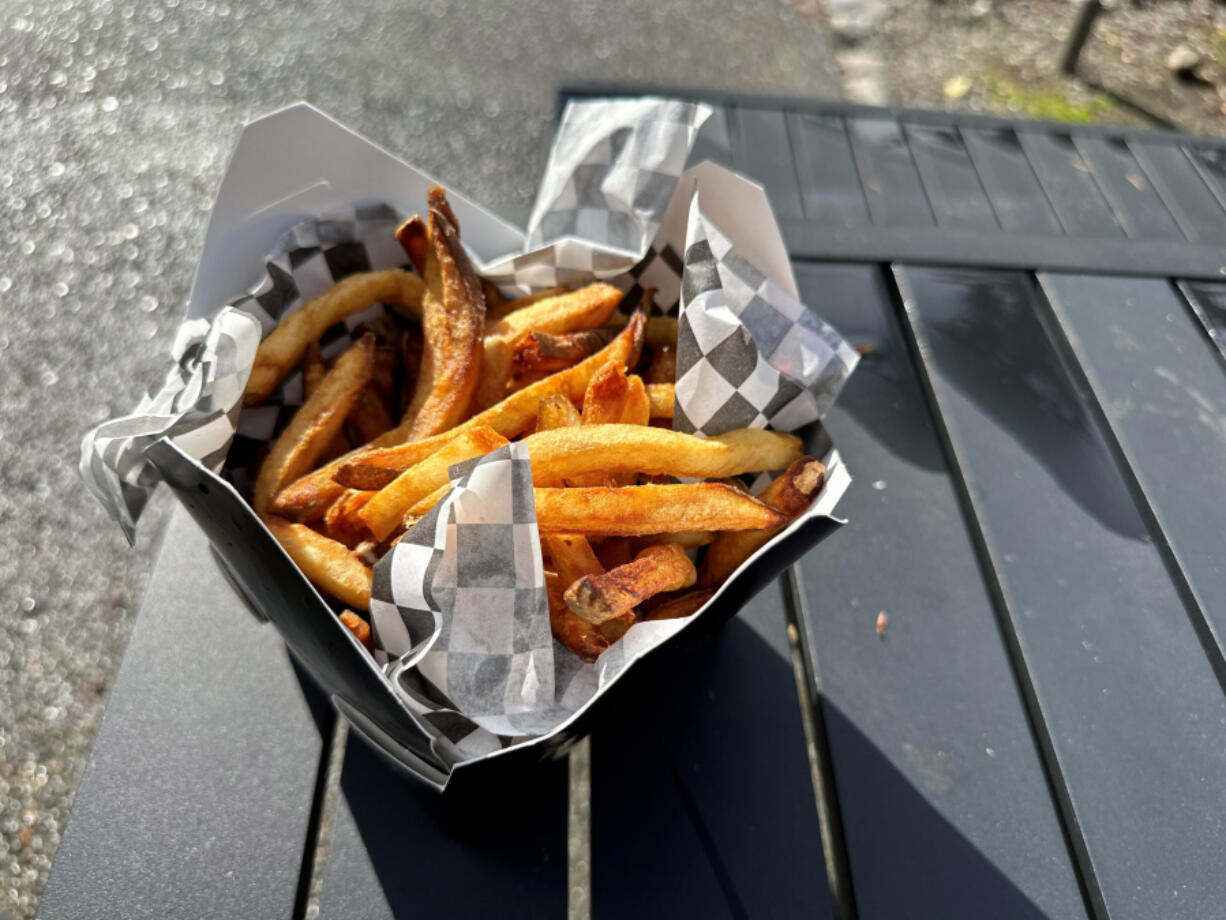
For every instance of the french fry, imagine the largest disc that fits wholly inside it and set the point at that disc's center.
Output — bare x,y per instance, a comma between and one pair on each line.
599,598
661,330
387,509
494,300
283,348
495,315
453,319
790,494
563,454
572,556
369,417
556,411
663,367
682,605
581,637
316,423
359,627
313,372
546,351
606,395
375,467
687,539
427,503
615,551
411,346
328,565
637,408
414,239
663,398
585,308
634,511
343,523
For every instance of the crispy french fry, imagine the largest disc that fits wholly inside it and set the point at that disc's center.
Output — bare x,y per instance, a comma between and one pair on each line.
343,523
663,398
369,417
414,239
316,423
687,539
387,509
637,510
329,565
789,494
411,346
556,411
453,318
375,467
427,503
313,372
546,351
284,346
581,637
493,316
682,605
563,454
663,367
615,551
572,556
598,598
494,300
617,627
585,308
606,395
359,627
661,330
637,408
385,373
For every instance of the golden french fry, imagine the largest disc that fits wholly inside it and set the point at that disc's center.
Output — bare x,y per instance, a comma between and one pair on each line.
493,316
414,239
637,408
615,551
387,458
546,351
387,509
789,494
585,308
316,423
284,346
427,503
343,523
411,347
556,411
663,398
313,372
328,565
359,627
581,637
494,300
604,403
682,605
453,318
369,417
598,598
572,556
663,367
637,510
563,454
687,539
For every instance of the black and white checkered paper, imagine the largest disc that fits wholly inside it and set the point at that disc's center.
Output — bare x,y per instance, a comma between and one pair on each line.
459,609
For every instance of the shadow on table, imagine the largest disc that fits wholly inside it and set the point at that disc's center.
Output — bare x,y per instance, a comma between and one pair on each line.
702,806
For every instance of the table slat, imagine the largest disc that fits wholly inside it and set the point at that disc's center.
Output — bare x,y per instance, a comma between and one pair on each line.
1019,201
829,183
1126,186
760,149
954,190
713,142
705,807
942,791
196,800
1070,185
1164,395
1129,709
891,184
1199,215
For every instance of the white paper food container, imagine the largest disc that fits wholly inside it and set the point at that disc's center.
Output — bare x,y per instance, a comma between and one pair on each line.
295,165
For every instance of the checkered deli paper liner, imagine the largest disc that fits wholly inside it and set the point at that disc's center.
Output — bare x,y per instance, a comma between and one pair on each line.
458,608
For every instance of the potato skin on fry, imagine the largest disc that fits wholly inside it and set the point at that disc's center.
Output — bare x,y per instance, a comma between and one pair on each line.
637,510
790,494
283,348
316,423
453,322
328,565
598,598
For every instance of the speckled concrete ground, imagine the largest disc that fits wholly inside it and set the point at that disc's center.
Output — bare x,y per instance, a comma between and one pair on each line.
116,119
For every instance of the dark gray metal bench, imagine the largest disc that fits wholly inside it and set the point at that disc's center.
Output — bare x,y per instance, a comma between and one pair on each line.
1037,431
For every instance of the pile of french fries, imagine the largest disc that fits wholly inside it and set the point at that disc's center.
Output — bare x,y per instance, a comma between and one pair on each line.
455,371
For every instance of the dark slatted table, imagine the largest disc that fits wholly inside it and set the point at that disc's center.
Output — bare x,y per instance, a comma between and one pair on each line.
1037,430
